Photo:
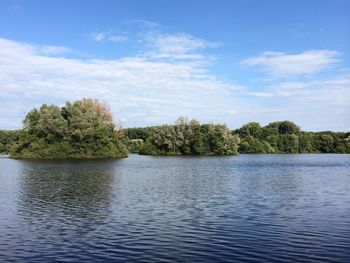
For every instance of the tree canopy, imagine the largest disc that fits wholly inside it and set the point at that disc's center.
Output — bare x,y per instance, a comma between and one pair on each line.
184,137
85,129
80,129
7,139
190,137
287,137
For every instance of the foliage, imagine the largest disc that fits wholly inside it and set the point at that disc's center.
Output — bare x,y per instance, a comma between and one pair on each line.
7,139
286,137
85,129
186,137
134,145
82,129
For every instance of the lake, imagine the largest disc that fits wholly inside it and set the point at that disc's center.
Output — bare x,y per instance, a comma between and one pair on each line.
251,208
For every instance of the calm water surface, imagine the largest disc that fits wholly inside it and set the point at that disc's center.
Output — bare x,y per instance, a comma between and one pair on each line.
252,208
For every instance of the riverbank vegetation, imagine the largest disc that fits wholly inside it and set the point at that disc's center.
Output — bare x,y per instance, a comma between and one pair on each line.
276,137
286,137
185,137
85,129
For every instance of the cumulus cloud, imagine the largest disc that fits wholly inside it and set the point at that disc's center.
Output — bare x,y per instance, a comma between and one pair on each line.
279,64
144,90
313,104
140,90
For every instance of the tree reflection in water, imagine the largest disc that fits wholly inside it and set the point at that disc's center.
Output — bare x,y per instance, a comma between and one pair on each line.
66,197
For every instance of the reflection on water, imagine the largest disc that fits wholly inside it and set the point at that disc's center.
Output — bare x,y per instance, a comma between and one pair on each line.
273,208
77,197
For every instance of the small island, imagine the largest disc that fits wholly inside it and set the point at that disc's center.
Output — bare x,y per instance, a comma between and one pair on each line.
80,130
85,129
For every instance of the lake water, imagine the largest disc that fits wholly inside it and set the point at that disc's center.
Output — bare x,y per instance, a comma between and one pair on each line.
251,208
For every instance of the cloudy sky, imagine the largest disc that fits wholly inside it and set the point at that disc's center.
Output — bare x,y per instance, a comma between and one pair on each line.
152,61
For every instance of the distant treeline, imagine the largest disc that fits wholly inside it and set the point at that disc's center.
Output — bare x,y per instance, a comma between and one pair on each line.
184,137
85,129
286,137
189,137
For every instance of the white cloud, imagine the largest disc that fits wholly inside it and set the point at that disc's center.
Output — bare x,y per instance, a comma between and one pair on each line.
146,23
53,50
108,36
132,86
177,46
143,90
117,38
98,36
157,55
279,64
313,104
284,89
27,48
179,43
335,90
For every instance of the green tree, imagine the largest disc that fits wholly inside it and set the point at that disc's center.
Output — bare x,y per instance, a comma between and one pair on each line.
190,137
306,143
221,141
7,140
288,143
252,129
324,142
252,145
82,129
284,127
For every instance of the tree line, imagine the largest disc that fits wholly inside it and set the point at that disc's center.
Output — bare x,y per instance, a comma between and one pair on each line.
276,137
286,137
184,137
85,129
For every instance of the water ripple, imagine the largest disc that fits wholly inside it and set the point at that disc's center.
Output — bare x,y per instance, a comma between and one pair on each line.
251,208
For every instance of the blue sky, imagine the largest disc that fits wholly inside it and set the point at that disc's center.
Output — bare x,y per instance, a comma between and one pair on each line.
152,61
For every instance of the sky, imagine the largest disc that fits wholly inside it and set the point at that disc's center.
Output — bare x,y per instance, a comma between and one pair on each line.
232,62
